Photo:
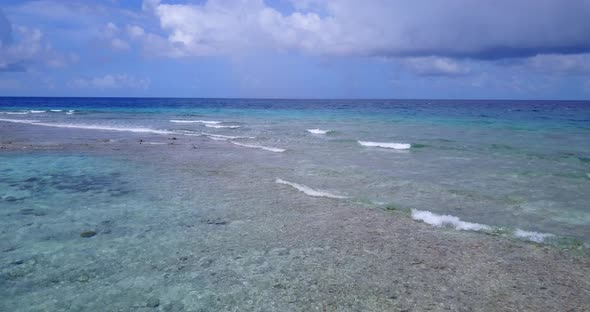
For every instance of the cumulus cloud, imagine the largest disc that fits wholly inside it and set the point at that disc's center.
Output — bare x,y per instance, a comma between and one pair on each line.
120,81
111,35
393,28
22,47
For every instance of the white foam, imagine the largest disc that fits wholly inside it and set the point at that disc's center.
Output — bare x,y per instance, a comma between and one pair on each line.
213,135
220,126
266,148
447,220
532,236
229,137
206,122
25,121
398,146
309,191
217,139
56,110
37,111
154,143
317,131
89,127
70,112
15,113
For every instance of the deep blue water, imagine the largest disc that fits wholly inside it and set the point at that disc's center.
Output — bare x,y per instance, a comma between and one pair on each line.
540,113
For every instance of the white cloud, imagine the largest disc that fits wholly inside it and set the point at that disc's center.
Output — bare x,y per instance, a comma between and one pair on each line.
135,31
435,66
109,82
23,48
29,49
453,28
233,27
111,36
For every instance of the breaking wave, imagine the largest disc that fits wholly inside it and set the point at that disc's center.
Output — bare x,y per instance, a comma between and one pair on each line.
266,148
318,131
397,146
447,220
309,191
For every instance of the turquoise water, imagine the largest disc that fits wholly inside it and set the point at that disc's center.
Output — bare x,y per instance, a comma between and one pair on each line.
513,167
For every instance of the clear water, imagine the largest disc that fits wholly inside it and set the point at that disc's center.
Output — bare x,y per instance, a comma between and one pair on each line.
506,164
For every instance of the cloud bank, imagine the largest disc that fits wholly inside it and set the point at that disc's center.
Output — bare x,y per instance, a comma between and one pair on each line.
388,28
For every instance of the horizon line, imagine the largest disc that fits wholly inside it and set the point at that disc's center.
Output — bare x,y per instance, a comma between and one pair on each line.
299,99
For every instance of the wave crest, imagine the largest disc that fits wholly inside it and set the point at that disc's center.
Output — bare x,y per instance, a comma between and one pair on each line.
266,148
397,146
447,220
318,131
309,191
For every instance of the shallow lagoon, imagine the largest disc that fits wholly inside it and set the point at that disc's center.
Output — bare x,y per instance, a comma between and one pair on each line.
186,221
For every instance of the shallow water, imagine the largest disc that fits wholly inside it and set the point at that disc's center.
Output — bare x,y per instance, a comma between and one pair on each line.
517,165
113,207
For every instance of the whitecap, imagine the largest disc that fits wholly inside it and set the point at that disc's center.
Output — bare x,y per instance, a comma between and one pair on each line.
217,139
220,126
206,122
266,148
532,236
309,191
398,146
70,112
37,111
447,220
15,113
318,131
56,110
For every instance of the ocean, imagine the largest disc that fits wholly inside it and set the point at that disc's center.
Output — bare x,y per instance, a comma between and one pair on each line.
149,167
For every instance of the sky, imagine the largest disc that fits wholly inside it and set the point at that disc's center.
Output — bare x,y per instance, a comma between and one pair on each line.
451,49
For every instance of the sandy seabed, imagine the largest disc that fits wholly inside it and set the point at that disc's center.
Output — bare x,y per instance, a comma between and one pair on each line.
186,228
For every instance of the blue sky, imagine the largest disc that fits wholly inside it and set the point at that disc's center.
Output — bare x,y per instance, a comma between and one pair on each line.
519,49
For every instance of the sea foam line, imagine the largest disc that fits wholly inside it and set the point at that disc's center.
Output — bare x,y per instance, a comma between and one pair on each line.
447,220
220,126
89,127
206,122
397,146
309,191
213,135
15,113
266,148
25,121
